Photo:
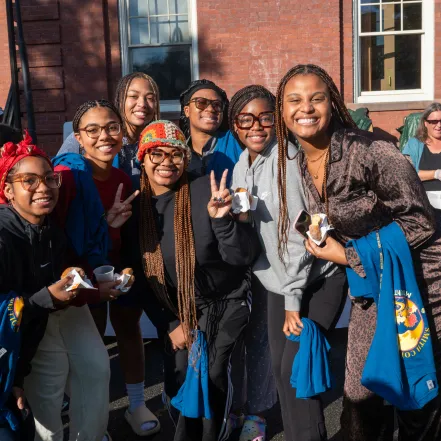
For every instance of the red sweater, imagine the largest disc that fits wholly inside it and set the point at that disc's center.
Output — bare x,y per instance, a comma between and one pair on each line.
107,191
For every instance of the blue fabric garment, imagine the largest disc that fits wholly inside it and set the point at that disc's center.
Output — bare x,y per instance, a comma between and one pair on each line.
311,374
86,226
9,352
192,399
225,156
400,366
414,148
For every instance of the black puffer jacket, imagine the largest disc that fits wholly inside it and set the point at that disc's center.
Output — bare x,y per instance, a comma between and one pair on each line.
31,259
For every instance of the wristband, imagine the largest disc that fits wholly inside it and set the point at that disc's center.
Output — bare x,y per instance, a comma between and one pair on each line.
438,174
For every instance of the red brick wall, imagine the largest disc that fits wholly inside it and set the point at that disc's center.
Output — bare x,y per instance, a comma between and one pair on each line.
248,42
5,76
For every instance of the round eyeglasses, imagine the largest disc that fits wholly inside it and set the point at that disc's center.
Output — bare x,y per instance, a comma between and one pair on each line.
158,156
31,181
94,130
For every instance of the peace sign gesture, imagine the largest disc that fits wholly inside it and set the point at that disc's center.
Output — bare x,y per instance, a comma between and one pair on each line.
221,199
120,211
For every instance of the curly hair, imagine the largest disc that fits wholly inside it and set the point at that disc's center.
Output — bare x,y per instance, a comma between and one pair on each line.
340,116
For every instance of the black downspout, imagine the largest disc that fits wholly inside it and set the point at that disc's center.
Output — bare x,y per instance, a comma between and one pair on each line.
25,73
15,89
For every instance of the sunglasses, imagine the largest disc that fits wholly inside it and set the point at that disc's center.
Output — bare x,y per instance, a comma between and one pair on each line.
434,122
31,181
247,120
202,103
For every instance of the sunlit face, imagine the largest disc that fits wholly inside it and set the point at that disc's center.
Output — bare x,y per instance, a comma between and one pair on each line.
256,138
208,120
434,130
32,205
307,109
163,176
140,103
104,148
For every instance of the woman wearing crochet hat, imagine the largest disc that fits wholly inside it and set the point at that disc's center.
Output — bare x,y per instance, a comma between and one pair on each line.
197,281
31,256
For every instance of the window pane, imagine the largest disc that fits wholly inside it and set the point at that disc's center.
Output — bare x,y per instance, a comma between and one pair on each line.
370,19
369,1
390,62
412,16
179,29
169,66
158,7
391,18
160,30
178,6
138,7
139,31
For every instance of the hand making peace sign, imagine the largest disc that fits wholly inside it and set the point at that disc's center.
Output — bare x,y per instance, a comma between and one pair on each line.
221,199
120,211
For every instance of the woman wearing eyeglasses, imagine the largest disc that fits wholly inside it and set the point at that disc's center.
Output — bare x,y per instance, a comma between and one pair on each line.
425,153
92,207
137,100
192,268
204,121
294,280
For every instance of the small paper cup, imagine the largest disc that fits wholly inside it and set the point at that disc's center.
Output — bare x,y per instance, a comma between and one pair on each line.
104,273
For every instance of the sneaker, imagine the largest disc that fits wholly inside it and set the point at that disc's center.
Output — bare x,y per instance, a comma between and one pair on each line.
254,429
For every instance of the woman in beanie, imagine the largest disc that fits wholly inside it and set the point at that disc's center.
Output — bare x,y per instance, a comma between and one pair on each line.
31,261
198,281
204,122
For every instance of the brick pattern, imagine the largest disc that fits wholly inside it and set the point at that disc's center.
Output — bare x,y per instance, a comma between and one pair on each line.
74,54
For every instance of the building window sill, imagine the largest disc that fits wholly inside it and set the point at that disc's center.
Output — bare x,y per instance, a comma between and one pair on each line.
391,106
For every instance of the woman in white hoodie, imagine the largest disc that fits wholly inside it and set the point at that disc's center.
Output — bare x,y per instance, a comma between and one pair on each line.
298,285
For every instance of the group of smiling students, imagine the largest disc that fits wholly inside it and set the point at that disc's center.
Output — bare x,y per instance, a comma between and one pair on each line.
134,191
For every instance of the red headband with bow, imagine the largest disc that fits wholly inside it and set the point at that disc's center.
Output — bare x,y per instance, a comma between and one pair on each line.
11,154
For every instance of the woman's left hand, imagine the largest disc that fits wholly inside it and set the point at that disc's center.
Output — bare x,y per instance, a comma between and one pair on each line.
331,250
221,199
120,211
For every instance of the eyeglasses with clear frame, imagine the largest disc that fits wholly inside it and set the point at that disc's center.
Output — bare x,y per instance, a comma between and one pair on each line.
202,103
247,120
94,131
159,156
31,181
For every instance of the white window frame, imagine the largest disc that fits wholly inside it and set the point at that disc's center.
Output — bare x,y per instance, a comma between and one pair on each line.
123,8
427,92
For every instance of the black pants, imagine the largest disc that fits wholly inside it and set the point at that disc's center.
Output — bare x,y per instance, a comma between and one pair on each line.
223,321
322,302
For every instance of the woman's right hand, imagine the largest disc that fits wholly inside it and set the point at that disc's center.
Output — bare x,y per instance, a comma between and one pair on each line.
59,293
107,292
293,324
177,338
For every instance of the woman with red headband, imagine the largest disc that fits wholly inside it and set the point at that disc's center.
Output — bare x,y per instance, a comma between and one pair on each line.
31,256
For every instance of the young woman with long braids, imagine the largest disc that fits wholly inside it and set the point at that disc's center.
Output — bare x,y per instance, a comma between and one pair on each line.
362,184
137,100
196,260
297,284
204,122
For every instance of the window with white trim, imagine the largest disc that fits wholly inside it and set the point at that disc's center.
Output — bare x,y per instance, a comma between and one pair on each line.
394,51
158,37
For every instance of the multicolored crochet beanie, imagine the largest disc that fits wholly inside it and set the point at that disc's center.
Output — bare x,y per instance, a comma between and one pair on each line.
161,134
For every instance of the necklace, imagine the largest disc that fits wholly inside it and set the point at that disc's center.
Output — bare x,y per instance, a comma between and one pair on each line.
317,159
322,157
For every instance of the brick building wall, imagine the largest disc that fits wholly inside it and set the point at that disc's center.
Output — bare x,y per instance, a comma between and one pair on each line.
74,53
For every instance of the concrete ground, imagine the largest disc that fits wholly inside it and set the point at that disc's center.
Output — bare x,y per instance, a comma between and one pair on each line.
120,430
